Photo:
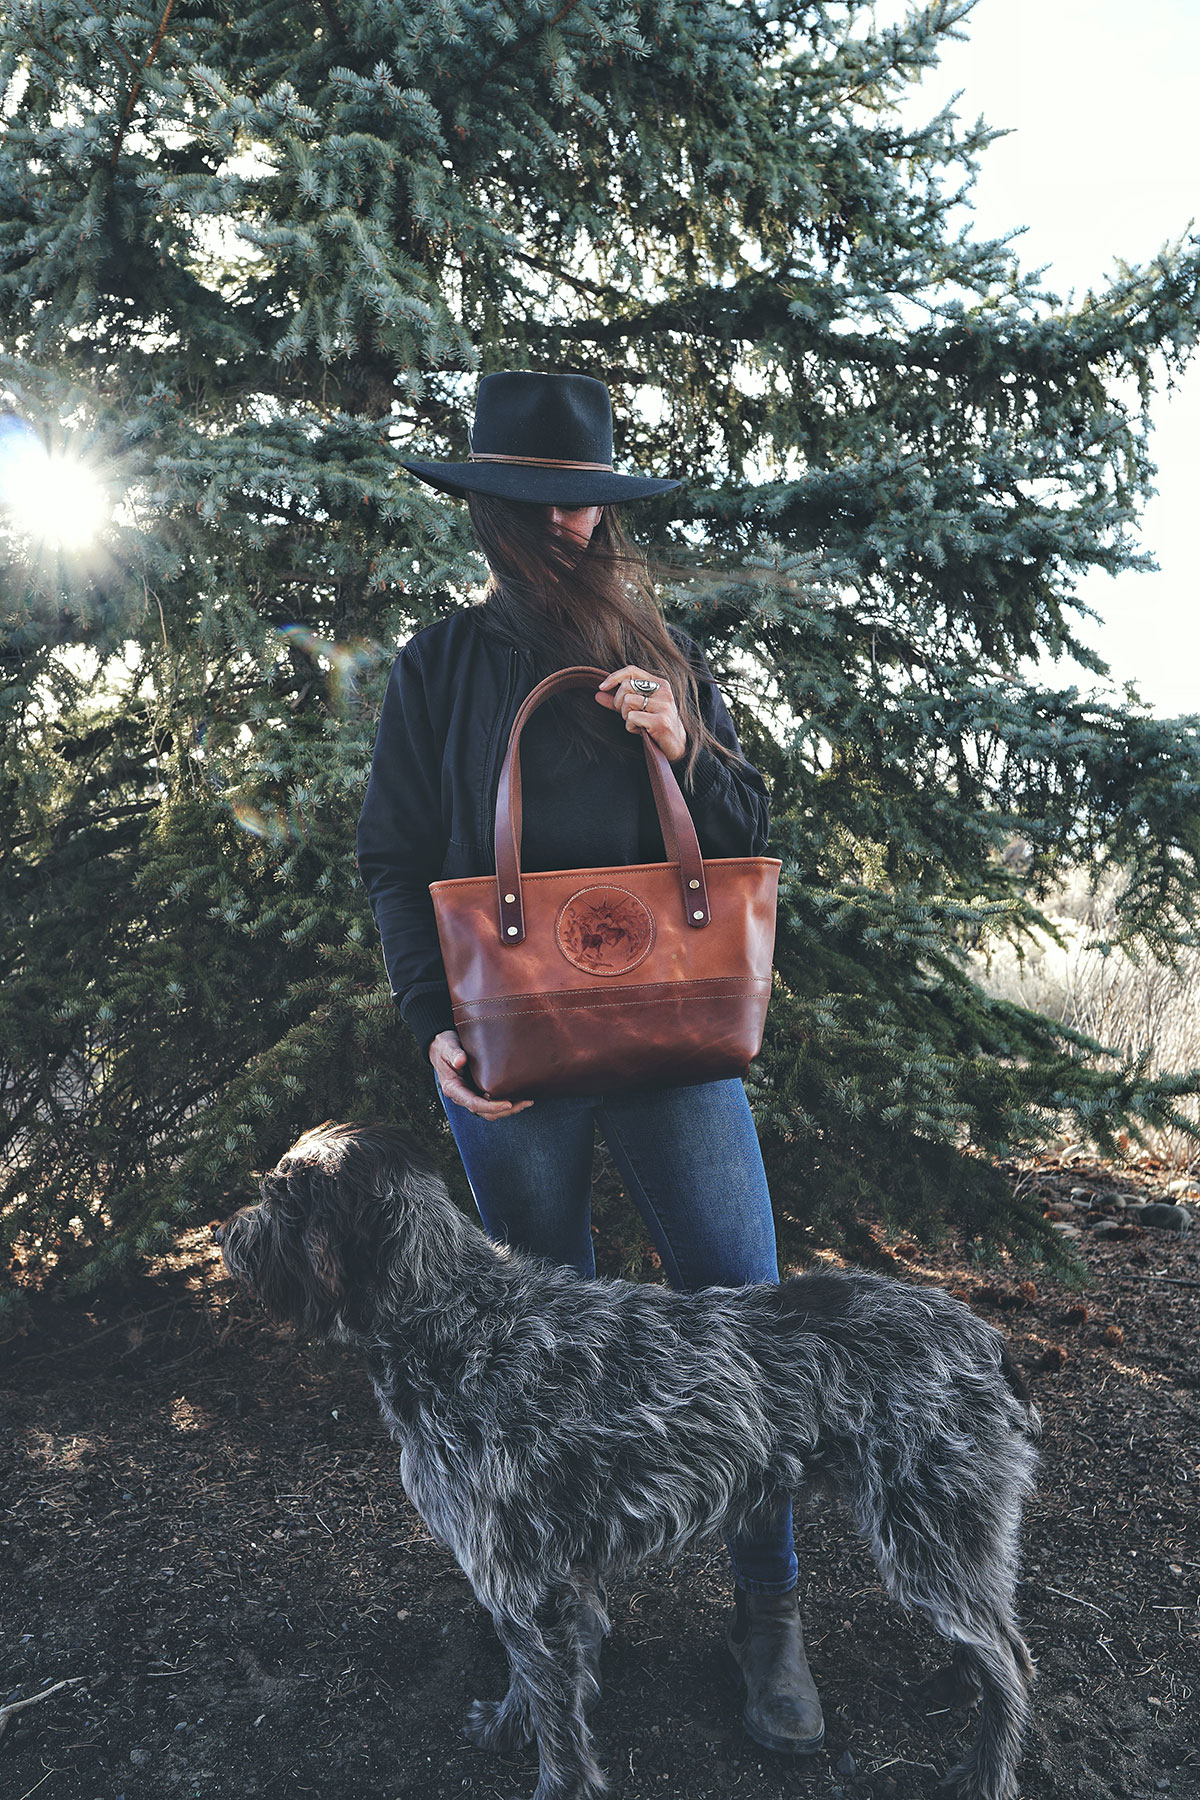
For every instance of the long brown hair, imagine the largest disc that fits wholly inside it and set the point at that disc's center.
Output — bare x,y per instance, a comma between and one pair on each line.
596,605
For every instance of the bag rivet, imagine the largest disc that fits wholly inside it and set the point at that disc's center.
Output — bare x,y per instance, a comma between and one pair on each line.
693,884
697,915
510,899
512,930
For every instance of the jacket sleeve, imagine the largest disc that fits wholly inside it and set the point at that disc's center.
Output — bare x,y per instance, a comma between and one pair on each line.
728,801
402,848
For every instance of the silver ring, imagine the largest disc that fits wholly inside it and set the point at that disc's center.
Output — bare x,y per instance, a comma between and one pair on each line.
645,701
642,684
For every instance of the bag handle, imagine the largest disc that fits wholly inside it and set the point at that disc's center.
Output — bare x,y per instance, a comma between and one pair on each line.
679,834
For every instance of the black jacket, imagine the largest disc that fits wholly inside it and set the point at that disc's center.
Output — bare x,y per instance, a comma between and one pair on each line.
429,810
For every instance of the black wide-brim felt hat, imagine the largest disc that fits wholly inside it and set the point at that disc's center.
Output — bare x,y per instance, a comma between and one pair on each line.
541,438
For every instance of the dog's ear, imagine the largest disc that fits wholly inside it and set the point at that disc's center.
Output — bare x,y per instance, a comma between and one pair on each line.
339,1230
325,1255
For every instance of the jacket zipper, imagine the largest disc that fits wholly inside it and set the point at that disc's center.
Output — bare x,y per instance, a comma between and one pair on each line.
491,777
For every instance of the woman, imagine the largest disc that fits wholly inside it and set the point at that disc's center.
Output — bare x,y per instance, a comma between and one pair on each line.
566,588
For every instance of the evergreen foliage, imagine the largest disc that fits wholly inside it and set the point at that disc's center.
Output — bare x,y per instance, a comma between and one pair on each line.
245,259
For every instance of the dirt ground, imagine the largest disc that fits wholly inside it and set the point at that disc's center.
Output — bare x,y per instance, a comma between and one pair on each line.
203,1532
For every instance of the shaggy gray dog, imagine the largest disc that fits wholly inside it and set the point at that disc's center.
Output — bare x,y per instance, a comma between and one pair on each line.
554,1433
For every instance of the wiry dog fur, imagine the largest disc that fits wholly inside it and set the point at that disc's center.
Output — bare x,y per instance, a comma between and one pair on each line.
555,1433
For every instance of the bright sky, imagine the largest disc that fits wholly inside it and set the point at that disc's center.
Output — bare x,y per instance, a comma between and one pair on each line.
1101,165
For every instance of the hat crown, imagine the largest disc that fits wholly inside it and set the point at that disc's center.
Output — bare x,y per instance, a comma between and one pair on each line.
551,418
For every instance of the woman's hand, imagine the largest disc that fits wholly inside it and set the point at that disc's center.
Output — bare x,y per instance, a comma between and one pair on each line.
448,1058
654,713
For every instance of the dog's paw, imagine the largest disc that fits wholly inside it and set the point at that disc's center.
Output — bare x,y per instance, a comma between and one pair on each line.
495,1725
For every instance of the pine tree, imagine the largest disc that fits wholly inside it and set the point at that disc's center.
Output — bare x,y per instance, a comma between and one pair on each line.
248,261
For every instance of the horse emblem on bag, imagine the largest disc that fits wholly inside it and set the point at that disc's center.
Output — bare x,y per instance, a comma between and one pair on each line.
604,930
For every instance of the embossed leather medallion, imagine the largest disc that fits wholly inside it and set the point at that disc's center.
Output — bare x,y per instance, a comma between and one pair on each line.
604,930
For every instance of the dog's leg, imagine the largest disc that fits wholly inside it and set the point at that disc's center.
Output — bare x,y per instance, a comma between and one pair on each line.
954,1685
950,1552
504,1725
589,1626
500,1725
1003,1670
550,1681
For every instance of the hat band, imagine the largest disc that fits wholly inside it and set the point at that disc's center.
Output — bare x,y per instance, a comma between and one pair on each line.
538,462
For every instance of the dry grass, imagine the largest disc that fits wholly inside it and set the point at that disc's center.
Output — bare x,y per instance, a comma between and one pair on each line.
1134,1007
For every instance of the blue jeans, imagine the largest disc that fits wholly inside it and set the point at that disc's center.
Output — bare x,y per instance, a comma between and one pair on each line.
690,1161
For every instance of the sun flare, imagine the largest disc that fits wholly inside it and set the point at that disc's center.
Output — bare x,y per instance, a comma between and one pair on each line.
49,496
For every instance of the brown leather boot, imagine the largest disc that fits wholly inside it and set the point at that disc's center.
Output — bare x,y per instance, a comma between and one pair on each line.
783,1711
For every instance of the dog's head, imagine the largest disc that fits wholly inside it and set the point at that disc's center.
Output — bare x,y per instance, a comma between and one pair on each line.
319,1248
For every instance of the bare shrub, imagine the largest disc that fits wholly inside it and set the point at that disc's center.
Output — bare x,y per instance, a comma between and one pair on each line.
1134,1005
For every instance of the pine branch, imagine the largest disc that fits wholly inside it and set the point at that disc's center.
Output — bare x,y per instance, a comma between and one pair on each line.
529,37
578,282
138,83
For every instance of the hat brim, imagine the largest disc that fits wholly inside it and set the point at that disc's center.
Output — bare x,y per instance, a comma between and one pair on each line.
538,484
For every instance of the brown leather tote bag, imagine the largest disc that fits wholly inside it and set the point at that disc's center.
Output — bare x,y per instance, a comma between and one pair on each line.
581,981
